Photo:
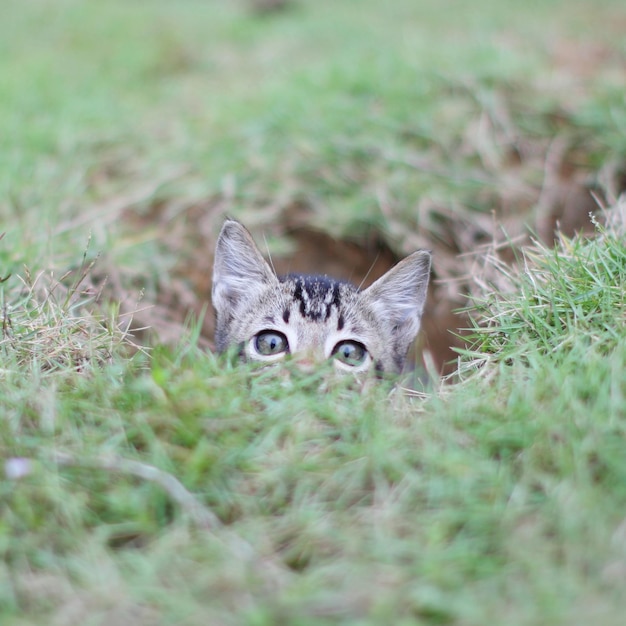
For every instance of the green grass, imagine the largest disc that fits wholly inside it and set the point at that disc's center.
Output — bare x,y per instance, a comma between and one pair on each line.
498,499
571,296
167,486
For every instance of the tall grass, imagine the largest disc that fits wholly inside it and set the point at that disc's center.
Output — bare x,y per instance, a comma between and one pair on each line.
175,487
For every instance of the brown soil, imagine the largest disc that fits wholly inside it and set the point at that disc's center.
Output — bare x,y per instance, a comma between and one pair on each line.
188,235
564,191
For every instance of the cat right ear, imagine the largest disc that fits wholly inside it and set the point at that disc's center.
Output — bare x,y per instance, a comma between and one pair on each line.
239,269
399,296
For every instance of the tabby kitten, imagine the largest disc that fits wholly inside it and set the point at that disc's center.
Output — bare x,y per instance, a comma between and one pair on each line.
314,318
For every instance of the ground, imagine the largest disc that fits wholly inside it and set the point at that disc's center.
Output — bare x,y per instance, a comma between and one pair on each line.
148,481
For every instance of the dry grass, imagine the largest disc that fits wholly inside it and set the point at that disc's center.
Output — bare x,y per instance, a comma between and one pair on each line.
54,324
553,297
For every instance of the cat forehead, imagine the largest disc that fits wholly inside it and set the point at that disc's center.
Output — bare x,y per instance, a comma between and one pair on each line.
318,296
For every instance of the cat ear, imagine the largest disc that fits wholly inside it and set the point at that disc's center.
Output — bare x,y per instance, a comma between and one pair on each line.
239,269
398,297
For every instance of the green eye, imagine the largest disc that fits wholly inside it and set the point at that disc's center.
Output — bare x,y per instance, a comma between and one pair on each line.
350,352
270,342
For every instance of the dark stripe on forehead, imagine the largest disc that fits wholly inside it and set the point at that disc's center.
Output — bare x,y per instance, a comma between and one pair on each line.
316,295
334,302
340,322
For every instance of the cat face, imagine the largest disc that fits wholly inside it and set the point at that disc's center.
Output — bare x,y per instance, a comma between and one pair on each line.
314,318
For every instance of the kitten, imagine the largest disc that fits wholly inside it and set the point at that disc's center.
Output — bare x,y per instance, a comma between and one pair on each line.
314,318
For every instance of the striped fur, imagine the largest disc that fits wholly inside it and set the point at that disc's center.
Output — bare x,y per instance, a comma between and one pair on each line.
314,317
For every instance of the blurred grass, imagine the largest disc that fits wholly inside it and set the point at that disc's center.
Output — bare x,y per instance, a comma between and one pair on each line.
500,499
325,101
496,500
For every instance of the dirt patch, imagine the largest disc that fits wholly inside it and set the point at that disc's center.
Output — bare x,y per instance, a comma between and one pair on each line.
186,234
539,182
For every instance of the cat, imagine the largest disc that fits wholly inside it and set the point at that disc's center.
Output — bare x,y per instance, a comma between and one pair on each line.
314,318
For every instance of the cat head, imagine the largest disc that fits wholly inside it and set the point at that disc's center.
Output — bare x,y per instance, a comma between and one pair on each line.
314,318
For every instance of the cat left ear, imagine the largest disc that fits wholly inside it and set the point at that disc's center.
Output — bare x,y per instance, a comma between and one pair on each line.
239,269
398,296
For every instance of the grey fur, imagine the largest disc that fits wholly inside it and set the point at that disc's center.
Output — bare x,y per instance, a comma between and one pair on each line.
315,313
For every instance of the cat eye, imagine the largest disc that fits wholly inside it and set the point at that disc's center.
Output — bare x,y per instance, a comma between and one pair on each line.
270,343
350,352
